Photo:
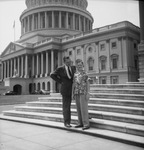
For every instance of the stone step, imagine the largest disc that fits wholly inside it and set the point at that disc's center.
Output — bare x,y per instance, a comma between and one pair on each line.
137,85
137,97
107,134
97,107
97,123
118,109
135,119
118,91
112,96
119,102
50,98
118,96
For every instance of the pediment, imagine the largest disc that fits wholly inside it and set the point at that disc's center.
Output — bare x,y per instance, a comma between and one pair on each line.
11,48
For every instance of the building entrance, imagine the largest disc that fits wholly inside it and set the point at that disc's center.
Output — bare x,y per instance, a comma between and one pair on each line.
17,89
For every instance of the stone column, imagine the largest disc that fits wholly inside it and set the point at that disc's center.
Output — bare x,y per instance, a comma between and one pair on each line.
41,75
52,60
28,23
26,66
39,21
2,76
22,27
11,69
120,52
46,20
52,85
108,67
80,23
88,22
4,69
97,57
46,74
67,25
32,22
8,68
53,19
60,20
18,66
15,69
73,21
84,23
8,72
33,65
74,55
141,45
22,60
37,65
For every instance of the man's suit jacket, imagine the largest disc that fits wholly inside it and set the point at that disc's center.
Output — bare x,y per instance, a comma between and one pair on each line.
60,76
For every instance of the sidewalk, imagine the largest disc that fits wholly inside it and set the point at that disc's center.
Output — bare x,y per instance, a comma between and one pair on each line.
21,136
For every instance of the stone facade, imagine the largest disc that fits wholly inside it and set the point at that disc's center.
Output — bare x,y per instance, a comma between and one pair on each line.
141,45
110,53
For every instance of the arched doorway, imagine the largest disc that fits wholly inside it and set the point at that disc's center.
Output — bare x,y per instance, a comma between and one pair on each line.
31,89
48,86
17,89
43,86
38,86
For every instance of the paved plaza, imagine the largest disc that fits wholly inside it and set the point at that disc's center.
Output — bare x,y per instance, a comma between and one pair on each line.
21,136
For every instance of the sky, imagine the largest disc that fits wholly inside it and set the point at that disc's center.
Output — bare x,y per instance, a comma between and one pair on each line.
104,12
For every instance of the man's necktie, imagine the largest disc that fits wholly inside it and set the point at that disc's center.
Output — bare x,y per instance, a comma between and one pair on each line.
69,71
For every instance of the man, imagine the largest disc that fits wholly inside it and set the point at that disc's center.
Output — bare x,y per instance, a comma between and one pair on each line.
64,76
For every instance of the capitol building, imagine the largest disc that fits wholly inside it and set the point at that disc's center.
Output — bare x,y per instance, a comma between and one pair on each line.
52,29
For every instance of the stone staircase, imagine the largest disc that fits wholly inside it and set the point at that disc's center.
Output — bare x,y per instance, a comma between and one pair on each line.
116,112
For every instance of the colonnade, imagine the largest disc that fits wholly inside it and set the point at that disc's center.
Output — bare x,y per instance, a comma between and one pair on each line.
31,65
55,19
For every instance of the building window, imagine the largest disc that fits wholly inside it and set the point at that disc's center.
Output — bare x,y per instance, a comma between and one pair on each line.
70,53
90,64
102,80
113,45
30,22
114,63
76,22
114,59
114,79
70,26
102,47
35,21
49,19
103,63
90,49
56,17
78,51
63,20
42,20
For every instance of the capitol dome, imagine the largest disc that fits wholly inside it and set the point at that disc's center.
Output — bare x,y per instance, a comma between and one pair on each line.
55,18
